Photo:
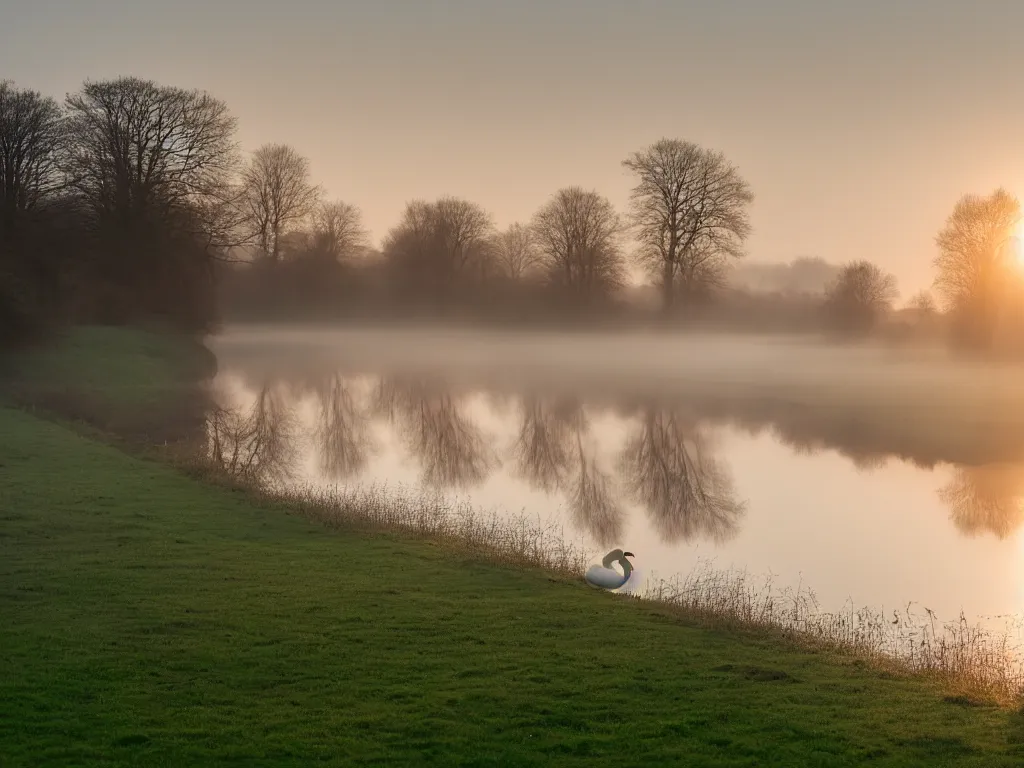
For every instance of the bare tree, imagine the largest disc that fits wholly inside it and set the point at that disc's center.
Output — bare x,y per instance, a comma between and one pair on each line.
142,150
152,166
438,244
33,133
578,233
515,252
860,295
464,228
338,230
277,193
689,211
974,260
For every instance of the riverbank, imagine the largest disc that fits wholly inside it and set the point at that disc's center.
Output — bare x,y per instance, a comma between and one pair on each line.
151,617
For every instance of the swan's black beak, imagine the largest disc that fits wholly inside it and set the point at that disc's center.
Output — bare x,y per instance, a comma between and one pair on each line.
628,554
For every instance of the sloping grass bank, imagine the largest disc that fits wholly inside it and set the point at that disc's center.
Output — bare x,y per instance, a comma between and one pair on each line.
151,619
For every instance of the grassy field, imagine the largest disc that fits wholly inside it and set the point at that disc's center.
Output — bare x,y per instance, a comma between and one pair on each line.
149,619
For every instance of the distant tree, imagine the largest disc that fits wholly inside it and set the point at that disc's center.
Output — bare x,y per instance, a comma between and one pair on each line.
515,252
438,245
860,295
152,165
923,303
578,234
975,262
802,276
689,211
277,194
338,231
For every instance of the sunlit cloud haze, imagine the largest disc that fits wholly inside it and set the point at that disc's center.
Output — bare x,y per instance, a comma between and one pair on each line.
857,124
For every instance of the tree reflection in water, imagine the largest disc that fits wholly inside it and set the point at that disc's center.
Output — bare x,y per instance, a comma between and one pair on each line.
987,499
451,449
258,444
669,468
342,432
667,464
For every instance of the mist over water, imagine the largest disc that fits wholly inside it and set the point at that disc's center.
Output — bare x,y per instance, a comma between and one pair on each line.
877,475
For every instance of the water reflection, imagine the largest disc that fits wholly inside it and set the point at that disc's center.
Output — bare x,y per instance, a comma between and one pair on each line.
451,449
986,499
673,473
546,447
258,443
668,462
342,433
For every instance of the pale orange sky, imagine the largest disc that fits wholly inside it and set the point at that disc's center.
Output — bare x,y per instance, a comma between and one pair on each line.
857,124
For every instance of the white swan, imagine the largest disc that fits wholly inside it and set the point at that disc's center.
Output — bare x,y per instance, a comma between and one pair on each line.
607,577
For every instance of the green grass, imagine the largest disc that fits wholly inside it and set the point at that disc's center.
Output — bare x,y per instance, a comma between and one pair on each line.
134,384
148,619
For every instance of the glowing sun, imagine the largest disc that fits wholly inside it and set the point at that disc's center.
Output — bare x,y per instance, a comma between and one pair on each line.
1017,244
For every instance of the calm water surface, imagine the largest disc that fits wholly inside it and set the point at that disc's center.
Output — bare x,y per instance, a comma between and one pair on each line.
872,476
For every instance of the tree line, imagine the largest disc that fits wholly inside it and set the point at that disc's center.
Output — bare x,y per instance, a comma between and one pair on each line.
132,202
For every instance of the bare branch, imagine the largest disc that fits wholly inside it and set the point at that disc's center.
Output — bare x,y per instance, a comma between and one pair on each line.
578,234
276,195
689,211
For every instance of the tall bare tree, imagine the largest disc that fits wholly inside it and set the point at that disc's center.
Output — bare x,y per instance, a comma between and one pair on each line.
37,225
33,133
152,165
689,211
277,193
975,259
515,252
578,234
142,150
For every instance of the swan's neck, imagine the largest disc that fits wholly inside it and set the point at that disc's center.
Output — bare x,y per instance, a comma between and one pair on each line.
627,568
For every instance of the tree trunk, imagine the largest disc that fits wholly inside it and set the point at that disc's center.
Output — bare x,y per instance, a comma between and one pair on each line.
668,294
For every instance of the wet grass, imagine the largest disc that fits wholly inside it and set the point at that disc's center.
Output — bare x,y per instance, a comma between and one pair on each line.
150,618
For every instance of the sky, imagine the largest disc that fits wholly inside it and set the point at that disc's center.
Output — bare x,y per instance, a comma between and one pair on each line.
857,123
